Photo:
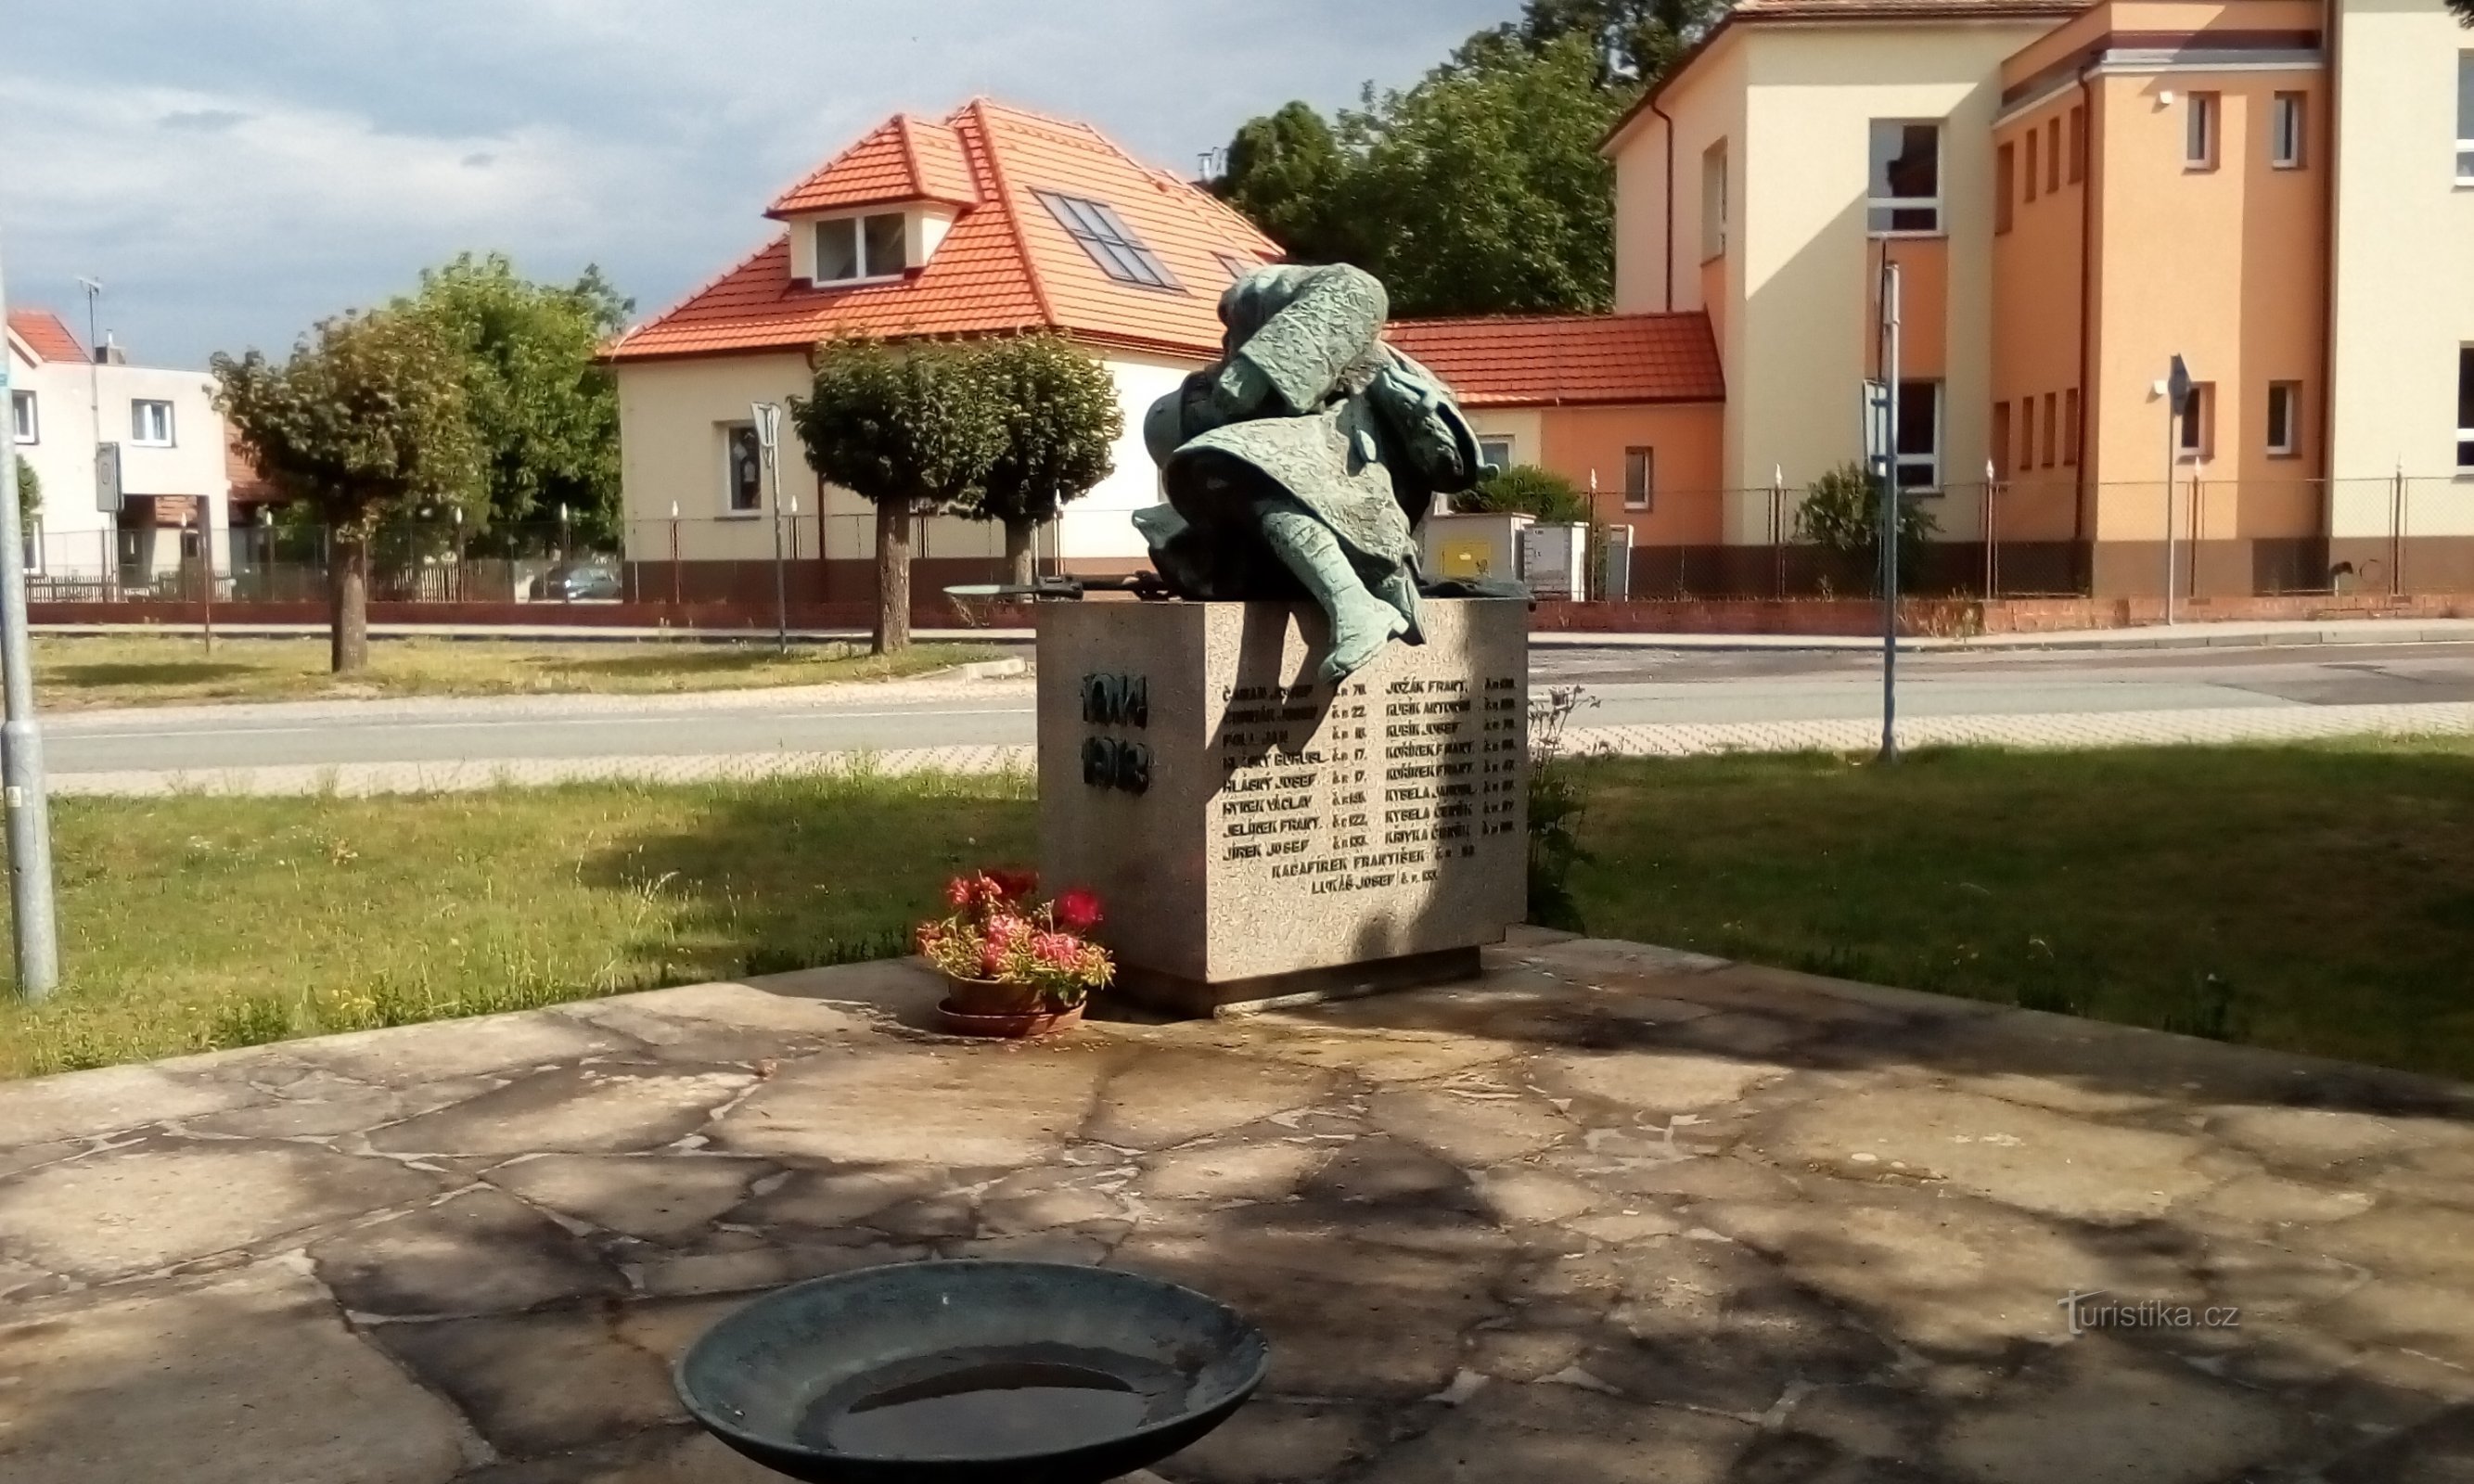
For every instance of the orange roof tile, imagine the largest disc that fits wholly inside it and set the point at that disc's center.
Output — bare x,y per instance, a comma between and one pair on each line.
1007,264
1565,360
45,336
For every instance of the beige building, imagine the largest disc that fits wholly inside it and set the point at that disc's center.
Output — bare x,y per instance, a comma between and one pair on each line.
2279,191
988,221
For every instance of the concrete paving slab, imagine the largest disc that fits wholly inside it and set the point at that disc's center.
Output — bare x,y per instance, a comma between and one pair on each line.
1606,1214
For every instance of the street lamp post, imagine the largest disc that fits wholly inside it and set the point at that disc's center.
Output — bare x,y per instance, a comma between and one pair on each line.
769,437
2176,387
26,794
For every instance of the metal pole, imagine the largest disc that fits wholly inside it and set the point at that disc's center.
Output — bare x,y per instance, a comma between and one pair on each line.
1990,479
1891,513
2172,452
27,790
780,588
674,556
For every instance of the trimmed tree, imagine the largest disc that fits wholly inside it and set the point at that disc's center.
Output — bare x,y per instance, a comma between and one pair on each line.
1529,490
544,409
30,495
1062,420
911,429
368,415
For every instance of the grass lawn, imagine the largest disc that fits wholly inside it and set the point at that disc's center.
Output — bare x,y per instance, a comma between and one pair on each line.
2320,899
2316,899
76,672
194,923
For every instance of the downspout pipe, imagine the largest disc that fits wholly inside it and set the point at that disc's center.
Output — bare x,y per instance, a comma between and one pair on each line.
2088,170
1668,267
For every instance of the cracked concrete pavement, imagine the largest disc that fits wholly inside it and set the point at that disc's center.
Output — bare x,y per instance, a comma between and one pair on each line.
1609,1214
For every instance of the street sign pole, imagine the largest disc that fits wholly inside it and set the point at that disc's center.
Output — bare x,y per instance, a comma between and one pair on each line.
1887,420
769,437
2177,396
27,792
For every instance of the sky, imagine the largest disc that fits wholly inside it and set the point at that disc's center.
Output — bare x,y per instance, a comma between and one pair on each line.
233,171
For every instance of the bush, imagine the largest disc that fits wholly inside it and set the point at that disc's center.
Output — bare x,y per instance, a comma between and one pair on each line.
1842,515
1529,490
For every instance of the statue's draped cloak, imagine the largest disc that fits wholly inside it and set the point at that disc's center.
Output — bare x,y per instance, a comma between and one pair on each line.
1359,434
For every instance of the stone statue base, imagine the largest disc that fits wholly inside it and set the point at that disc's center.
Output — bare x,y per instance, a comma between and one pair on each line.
1258,835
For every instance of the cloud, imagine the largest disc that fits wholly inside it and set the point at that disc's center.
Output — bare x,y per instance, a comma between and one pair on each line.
236,172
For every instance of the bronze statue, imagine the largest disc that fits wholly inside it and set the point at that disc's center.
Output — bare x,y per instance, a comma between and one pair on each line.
1300,462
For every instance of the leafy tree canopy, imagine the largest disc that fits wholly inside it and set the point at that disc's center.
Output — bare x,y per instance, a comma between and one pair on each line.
544,413
912,425
1841,514
1062,418
30,494
1529,490
1480,189
369,411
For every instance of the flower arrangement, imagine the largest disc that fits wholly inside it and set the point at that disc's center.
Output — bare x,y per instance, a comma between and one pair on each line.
998,934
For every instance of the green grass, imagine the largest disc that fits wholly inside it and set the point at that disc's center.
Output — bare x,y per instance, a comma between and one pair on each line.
2319,899
78,672
2316,899
197,923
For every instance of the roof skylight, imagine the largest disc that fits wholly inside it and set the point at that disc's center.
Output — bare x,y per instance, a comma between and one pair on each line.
1110,242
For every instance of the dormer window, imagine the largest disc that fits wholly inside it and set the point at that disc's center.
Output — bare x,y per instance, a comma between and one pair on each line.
855,247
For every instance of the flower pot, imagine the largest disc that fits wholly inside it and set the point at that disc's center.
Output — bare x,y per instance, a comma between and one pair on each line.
986,1008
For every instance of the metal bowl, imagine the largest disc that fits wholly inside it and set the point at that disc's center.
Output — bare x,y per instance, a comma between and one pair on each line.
957,1372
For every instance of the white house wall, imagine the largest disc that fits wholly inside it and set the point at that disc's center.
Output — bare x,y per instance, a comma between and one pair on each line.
74,534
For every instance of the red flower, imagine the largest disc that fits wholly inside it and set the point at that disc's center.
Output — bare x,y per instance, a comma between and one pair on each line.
1006,930
960,891
1014,886
991,960
1058,948
1078,910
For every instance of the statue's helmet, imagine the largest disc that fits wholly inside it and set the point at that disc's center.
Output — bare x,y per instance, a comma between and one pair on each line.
1164,426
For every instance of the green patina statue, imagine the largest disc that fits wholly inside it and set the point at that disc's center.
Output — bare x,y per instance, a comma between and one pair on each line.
1300,462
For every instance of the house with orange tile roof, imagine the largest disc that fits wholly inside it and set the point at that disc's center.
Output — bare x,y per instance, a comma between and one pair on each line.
987,221
62,403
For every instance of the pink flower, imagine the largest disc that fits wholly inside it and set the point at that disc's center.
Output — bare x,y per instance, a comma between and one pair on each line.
1006,930
1078,910
991,960
1063,949
960,891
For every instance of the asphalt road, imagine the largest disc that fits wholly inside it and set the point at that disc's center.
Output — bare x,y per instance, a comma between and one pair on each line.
1633,686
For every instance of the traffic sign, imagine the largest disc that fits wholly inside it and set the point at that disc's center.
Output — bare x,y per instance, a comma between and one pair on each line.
108,496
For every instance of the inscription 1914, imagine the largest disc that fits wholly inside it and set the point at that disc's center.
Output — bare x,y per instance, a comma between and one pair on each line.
1367,784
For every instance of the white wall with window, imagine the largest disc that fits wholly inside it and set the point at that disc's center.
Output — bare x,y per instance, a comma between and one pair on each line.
1713,200
54,424
2465,118
150,422
25,417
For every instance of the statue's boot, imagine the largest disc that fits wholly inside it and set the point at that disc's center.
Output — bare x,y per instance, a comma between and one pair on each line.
1361,624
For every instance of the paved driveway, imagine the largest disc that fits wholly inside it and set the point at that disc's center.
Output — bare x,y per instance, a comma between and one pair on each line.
1609,1214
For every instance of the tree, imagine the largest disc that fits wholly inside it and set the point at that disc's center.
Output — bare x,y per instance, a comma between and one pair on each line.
1841,514
1530,490
1637,42
911,429
1061,424
367,416
30,495
543,411
1286,171
2464,10
1480,190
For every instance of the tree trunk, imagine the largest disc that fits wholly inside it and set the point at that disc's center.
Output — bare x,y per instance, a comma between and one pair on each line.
1018,534
348,604
892,577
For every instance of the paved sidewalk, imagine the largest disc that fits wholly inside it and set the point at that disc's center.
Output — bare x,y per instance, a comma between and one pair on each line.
1610,1215
2068,729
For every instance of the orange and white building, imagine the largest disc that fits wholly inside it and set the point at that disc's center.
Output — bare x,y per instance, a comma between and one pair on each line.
988,221
2279,191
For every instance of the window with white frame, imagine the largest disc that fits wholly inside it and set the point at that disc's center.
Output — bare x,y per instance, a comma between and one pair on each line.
2465,407
2465,118
2283,419
2285,131
1920,436
24,424
150,424
2200,131
1903,196
1640,478
1713,200
743,469
1494,453
852,248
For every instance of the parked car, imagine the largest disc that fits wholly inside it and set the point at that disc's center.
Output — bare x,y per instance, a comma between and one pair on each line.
573,582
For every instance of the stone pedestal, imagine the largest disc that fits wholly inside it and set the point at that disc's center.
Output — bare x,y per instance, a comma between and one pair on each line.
1256,834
